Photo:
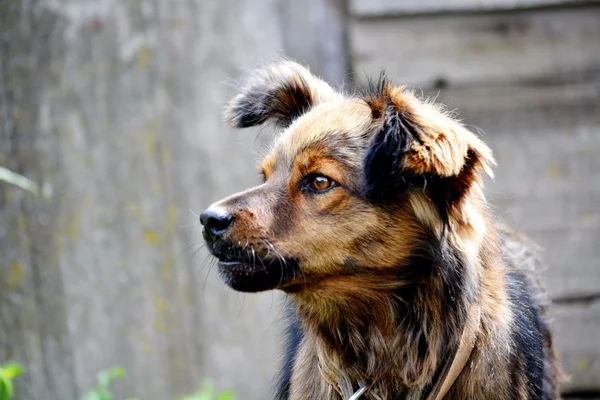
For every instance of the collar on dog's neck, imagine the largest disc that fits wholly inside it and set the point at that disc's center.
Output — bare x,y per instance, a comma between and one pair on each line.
462,355
362,390
443,385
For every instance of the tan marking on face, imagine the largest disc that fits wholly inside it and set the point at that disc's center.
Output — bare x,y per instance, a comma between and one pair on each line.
348,117
267,166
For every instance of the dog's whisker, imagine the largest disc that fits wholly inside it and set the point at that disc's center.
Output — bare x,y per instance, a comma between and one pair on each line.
242,307
304,280
264,267
201,244
208,264
211,265
194,254
270,245
282,261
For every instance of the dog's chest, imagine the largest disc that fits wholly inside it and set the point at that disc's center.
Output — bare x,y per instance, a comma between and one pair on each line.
308,382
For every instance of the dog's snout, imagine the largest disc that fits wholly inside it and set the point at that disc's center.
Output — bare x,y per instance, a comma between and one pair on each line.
215,222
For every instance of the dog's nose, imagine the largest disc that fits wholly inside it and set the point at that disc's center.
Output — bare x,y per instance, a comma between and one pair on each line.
215,222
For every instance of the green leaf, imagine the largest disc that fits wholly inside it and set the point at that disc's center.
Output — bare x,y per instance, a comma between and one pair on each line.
13,178
203,395
207,392
11,370
92,395
6,388
3,391
8,372
106,377
226,395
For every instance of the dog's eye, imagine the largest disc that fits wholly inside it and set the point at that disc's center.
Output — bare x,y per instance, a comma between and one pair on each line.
320,183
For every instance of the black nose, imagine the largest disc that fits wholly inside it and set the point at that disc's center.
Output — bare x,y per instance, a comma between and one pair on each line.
215,222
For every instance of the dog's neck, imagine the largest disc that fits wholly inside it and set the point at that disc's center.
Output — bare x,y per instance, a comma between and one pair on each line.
384,328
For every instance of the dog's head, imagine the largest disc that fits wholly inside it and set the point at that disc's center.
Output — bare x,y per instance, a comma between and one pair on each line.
352,184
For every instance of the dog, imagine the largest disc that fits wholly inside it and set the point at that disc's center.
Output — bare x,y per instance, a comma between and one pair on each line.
372,220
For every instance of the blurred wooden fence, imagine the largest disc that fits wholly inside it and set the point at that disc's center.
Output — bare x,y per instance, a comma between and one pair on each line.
114,108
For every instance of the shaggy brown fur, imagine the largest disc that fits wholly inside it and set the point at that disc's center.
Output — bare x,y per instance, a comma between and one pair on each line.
372,219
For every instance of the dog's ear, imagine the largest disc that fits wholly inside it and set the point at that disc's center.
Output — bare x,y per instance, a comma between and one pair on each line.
417,145
279,93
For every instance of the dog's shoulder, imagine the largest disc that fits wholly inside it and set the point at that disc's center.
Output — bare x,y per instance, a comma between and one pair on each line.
523,257
530,303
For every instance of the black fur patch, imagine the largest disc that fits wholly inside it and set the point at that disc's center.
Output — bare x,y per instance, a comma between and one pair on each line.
384,178
438,269
293,337
447,192
375,93
527,334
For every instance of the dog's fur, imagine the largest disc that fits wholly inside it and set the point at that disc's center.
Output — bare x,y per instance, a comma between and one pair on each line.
381,268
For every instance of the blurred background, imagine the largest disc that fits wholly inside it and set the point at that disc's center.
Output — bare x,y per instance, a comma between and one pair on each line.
113,107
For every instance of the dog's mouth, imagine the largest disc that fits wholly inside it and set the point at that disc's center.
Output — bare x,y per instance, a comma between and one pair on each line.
247,270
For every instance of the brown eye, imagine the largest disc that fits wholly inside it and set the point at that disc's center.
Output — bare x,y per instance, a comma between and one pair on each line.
320,183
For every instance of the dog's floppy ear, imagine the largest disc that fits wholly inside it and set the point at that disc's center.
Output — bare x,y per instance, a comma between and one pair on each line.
417,145
279,93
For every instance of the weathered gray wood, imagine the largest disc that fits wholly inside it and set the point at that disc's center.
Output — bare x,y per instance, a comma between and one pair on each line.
545,139
479,49
314,34
115,109
33,310
372,8
576,339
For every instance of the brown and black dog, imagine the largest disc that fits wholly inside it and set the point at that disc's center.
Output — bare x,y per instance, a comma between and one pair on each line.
372,220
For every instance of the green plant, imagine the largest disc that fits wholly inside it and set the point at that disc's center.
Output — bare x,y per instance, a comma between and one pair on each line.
102,391
8,372
13,178
207,392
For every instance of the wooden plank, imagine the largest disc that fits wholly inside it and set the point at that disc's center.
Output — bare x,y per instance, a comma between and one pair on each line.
574,211
323,47
546,140
458,50
571,256
576,328
33,310
374,8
